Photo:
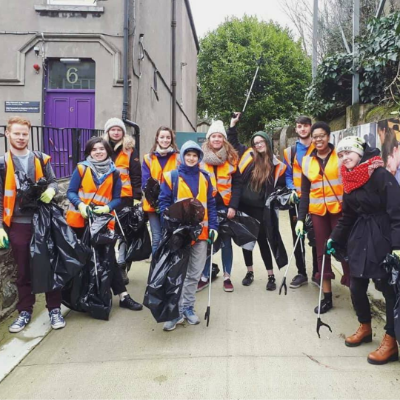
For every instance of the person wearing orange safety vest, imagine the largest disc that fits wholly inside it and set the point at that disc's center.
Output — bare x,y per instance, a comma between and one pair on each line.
221,162
293,157
322,197
16,225
95,186
163,157
262,173
126,161
189,181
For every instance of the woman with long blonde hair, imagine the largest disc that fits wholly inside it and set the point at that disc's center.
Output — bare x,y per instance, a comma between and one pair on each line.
261,173
221,162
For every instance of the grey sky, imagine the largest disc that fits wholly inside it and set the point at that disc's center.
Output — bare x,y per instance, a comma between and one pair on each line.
208,14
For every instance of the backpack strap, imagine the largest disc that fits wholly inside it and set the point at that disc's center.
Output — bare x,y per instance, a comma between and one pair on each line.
293,150
174,182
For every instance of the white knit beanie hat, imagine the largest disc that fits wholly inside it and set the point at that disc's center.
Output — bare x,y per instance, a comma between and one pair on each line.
216,127
114,122
351,143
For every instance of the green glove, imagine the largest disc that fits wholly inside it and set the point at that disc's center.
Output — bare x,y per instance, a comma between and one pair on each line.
294,198
47,195
299,228
4,243
212,236
330,247
101,210
394,252
84,210
136,201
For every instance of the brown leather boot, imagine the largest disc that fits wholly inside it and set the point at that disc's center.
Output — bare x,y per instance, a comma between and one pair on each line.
387,351
363,335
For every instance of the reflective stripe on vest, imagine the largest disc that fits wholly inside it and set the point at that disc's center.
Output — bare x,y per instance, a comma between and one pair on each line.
322,197
223,183
90,194
122,165
10,187
296,167
156,172
280,169
184,192
245,160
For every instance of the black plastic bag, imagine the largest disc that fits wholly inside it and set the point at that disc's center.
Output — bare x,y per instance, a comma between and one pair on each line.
280,199
243,229
309,228
140,247
99,232
132,219
169,263
56,255
152,192
29,192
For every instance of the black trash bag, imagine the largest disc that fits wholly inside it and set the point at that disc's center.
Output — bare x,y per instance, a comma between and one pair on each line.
243,229
280,199
169,263
29,192
309,228
132,219
140,247
152,192
99,232
56,255
271,223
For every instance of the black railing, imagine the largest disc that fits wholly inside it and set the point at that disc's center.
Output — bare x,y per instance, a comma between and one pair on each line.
65,145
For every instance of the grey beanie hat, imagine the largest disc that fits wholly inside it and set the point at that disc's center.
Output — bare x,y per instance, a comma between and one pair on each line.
114,122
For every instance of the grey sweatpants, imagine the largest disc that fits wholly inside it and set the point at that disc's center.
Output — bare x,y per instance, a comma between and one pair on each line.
197,259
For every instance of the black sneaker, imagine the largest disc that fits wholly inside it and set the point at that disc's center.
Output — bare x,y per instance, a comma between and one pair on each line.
326,305
248,279
124,273
271,285
298,280
129,303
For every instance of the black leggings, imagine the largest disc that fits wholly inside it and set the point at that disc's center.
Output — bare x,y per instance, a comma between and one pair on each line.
117,283
262,240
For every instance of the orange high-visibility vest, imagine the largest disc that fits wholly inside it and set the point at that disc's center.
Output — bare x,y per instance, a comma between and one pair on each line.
184,192
222,183
90,194
10,187
247,158
296,167
122,165
156,172
322,197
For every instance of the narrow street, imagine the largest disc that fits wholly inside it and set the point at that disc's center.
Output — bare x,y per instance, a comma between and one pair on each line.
259,345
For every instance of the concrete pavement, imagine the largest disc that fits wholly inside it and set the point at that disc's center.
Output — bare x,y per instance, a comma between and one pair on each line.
259,345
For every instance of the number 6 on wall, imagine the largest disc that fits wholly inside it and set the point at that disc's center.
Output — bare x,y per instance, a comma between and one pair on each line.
72,75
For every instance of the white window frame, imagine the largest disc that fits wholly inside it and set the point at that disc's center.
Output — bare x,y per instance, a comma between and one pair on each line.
72,2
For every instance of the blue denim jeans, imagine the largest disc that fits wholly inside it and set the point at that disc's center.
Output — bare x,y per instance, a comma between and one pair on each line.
156,231
226,254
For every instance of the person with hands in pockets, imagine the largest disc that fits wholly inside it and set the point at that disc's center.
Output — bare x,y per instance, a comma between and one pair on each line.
191,182
95,186
370,229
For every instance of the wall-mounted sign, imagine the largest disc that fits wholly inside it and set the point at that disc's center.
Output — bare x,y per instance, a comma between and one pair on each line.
22,106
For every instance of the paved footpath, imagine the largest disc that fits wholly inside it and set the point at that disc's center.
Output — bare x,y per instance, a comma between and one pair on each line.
259,345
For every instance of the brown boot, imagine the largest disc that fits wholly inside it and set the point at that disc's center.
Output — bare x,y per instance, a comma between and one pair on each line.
387,351
363,335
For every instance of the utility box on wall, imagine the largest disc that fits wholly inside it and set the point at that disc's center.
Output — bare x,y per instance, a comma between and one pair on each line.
182,137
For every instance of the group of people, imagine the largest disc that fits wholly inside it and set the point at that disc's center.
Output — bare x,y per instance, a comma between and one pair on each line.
351,199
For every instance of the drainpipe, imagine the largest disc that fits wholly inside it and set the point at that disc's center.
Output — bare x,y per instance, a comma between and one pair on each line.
173,61
125,103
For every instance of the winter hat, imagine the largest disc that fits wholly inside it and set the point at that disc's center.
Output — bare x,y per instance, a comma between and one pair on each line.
216,127
351,143
114,122
190,145
264,135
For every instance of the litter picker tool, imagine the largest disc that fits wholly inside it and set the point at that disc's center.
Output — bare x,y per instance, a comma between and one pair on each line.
94,258
283,284
303,253
319,322
259,62
208,311
120,227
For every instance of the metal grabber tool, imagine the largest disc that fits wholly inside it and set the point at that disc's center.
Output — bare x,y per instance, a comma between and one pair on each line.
319,322
208,311
94,258
283,284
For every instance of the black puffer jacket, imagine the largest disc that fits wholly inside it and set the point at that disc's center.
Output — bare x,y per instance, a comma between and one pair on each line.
370,225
